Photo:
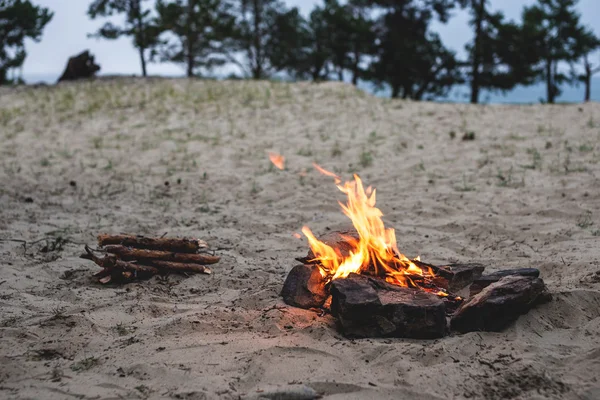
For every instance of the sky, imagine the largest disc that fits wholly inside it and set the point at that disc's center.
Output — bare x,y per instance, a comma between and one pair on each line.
66,35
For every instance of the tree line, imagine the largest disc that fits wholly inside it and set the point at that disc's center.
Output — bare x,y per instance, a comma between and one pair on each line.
388,42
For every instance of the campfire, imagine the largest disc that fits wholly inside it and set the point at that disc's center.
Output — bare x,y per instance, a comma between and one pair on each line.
374,290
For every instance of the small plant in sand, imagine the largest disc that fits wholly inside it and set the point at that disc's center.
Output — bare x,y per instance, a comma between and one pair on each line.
465,186
536,159
85,364
336,151
585,220
507,179
366,159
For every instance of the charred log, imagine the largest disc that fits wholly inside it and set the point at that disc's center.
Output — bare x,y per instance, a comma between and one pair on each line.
453,277
499,304
304,287
484,281
79,67
369,307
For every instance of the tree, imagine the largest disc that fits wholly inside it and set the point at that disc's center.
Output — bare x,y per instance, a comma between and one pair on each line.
19,19
587,46
555,36
410,58
256,37
497,59
138,24
202,31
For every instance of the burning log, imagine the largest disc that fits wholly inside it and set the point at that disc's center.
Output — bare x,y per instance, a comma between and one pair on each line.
129,253
500,303
304,287
484,281
183,245
369,307
453,277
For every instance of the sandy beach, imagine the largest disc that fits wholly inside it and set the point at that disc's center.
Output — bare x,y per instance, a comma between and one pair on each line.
190,158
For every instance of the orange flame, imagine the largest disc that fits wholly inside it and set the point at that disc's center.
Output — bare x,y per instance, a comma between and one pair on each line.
375,252
277,159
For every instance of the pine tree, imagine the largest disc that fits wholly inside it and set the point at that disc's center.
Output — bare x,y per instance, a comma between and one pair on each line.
410,58
19,19
138,24
202,31
556,37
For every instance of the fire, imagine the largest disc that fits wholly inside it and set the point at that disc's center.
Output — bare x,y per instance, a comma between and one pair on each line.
375,252
277,159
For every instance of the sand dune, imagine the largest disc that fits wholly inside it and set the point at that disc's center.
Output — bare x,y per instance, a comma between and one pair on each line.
191,158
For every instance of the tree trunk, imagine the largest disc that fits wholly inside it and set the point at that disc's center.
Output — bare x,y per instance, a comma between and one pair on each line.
189,39
340,74
143,61
479,10
549,82
395,91
258,70
136,8
588,79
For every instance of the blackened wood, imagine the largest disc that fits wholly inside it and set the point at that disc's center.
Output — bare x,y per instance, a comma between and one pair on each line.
370,307
304,287
128,253
486,280
453,277
499,304
182,245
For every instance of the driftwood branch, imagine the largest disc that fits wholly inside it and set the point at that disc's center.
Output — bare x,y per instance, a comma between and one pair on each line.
183,245
127,253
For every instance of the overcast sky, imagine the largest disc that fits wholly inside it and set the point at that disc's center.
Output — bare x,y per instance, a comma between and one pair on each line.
66,35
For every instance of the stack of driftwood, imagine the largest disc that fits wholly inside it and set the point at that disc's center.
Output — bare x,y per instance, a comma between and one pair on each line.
129,257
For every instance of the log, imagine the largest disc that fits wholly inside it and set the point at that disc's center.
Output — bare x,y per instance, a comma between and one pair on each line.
183,245
80,66
453,277
370,307
111,262
179,267
128,253
486,280
339,240
304,287
499,304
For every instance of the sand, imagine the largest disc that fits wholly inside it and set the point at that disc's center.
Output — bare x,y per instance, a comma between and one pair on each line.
190,158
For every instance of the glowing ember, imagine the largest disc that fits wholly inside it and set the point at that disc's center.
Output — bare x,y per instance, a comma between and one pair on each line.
277,159
375,252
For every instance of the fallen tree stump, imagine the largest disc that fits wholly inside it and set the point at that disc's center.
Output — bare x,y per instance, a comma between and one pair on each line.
484,281
369,307
143,257
79,67
500,303
304,287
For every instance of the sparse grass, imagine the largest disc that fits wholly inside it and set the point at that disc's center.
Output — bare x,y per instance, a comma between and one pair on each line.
536,159
465,187
58,312
366,159
514,136
507,179
585,220
85,364
452,134
305,151
586,148
469,136
336,151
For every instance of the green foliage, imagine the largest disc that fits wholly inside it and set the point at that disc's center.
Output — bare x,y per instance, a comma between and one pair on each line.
555,35
409,57
201,33
138,24
19,19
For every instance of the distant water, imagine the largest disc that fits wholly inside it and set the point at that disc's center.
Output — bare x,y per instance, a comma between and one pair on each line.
460,94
